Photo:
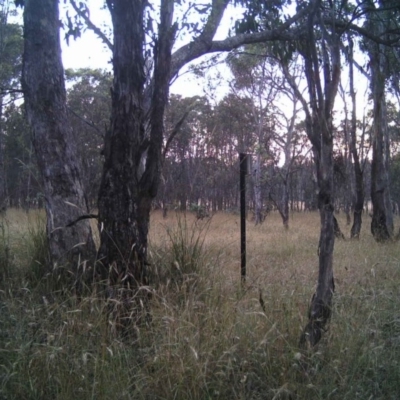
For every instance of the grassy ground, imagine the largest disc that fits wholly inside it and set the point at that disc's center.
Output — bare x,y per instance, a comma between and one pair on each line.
208,338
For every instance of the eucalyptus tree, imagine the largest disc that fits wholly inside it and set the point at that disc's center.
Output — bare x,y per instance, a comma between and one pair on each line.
380,20
322,85
52,137
319,48
352,139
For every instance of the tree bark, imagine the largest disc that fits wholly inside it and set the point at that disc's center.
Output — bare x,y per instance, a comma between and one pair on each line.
382,217
320,308
132,153
52,137
319,127
358,172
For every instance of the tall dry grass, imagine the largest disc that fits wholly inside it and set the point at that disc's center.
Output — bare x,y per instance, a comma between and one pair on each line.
209,338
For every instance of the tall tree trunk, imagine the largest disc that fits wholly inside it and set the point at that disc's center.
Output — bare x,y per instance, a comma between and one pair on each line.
123,208
52,137
319,128
132,153
320,308
284,204
382,217
358,172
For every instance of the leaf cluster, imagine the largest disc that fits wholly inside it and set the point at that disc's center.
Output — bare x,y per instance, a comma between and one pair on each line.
259,15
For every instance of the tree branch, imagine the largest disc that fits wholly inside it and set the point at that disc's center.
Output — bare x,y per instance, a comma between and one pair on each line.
204,45
345,26
85,16
176,129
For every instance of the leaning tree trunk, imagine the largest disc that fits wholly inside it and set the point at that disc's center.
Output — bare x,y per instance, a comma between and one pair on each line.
52,136
132,151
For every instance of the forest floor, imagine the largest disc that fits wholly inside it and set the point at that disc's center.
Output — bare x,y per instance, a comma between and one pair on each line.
209,337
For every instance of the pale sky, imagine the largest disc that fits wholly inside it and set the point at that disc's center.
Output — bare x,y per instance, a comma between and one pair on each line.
89,52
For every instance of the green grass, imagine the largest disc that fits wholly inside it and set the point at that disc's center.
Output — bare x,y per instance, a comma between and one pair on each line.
208,338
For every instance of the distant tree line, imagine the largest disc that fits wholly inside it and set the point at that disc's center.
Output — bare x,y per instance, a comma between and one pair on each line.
200,167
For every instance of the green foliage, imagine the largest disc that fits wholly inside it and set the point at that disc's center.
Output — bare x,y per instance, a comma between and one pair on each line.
260,15
11,44
19,161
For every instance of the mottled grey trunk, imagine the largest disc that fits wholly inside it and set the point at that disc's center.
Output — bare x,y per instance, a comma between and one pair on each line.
319,127
320,308
53,141
132,166
382,217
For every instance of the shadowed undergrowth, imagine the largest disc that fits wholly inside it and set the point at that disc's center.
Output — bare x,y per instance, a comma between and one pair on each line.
208,337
